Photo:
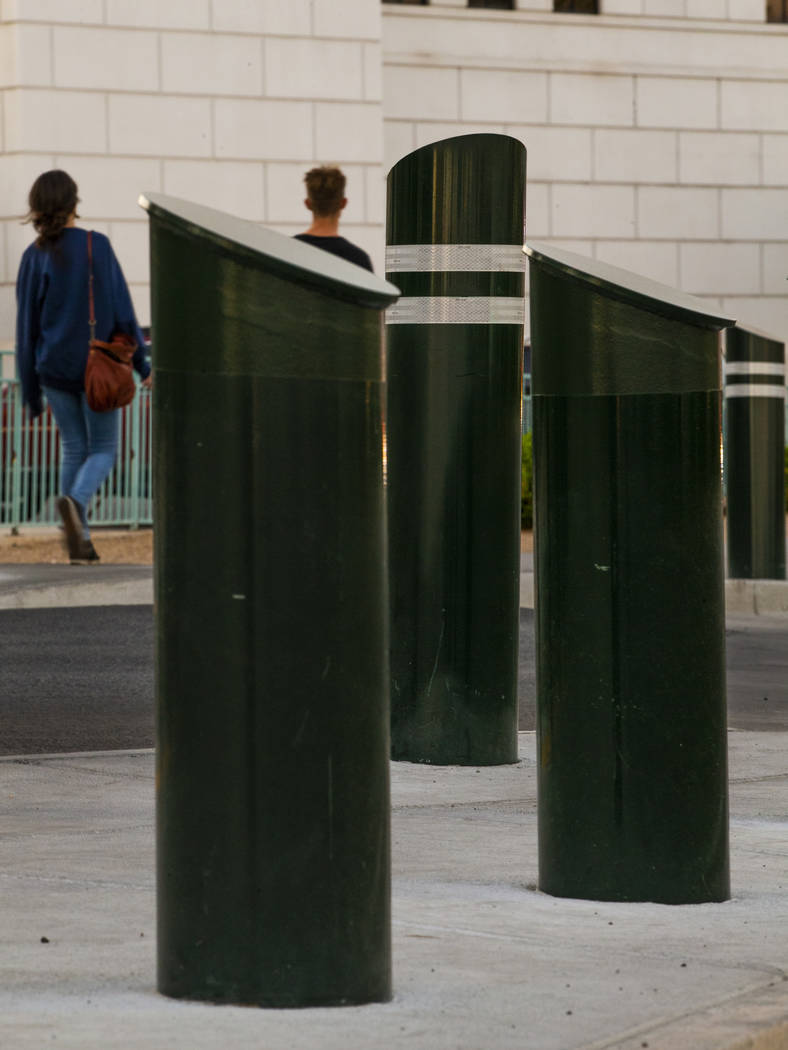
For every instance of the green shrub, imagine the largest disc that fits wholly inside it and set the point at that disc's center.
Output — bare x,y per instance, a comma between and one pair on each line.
527,484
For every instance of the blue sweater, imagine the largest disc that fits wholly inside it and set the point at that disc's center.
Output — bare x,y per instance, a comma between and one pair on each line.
52,330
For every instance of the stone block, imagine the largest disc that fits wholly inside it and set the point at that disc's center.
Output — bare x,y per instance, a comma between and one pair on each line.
595,99
635,156
715,158
759,105
314,69
110,186
352,19
675,102
18,171
262,17
746,10
537,211
707,9
623,7
437,131
767,312
555,154
232,186
775,159
50,121
373,73
153,14
17,238
211,64
159,126
262,130
754,215
678,213
665,8
580,211
420,93
25,56
774,267
129,59
399,139
348,132
140,298
131,246
85,11
8,74
720,268
503,97
657,260
376,195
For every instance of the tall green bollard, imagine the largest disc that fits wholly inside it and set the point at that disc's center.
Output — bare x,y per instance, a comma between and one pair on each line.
754,442
630,613
271,617
454,366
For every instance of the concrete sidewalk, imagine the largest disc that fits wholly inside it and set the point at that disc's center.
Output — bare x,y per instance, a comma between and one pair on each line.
482,961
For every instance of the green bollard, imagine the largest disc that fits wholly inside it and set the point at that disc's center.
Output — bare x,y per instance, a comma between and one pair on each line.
454,367
271,617
630,608
754,442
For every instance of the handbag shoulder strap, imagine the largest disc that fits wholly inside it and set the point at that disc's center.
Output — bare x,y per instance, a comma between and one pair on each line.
92,317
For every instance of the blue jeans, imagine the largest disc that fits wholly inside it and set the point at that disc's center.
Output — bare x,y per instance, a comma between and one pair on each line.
88,446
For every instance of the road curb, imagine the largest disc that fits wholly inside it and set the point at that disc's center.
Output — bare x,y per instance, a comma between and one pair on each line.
127,592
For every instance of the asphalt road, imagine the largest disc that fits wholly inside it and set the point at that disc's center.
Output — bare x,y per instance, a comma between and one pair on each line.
82,679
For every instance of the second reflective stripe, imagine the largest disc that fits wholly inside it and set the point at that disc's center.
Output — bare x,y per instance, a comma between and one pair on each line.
451,310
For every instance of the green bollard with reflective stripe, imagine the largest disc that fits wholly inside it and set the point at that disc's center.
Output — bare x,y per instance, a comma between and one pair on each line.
271,617
454,365
754,443
630,612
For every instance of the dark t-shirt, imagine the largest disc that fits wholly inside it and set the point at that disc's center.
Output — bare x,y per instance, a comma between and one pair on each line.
338,246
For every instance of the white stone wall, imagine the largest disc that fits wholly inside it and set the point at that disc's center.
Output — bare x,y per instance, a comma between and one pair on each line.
653,143
225,102
657,132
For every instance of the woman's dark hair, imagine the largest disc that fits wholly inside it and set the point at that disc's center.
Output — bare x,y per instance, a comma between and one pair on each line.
52,200
325,188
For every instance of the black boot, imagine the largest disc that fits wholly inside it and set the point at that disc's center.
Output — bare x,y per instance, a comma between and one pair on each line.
71,513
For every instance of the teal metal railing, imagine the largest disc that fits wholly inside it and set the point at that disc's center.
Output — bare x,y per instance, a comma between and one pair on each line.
526,416
30,459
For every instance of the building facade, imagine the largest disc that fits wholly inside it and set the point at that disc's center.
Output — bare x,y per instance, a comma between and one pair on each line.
656,130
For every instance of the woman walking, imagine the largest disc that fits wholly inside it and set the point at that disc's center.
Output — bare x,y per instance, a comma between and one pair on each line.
52,336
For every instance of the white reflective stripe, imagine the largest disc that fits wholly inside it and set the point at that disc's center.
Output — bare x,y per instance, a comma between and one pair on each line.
477,309
754,390
750,368
454,258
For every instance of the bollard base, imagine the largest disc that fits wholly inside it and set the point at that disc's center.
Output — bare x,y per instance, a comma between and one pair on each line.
289,1001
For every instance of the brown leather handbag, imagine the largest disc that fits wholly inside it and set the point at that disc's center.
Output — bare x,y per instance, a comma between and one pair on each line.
109,374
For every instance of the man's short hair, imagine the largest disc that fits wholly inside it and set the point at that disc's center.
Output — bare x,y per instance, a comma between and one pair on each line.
325,188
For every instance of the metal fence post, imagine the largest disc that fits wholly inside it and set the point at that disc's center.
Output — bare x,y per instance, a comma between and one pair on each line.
754,444
270,584
454,367
630,608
